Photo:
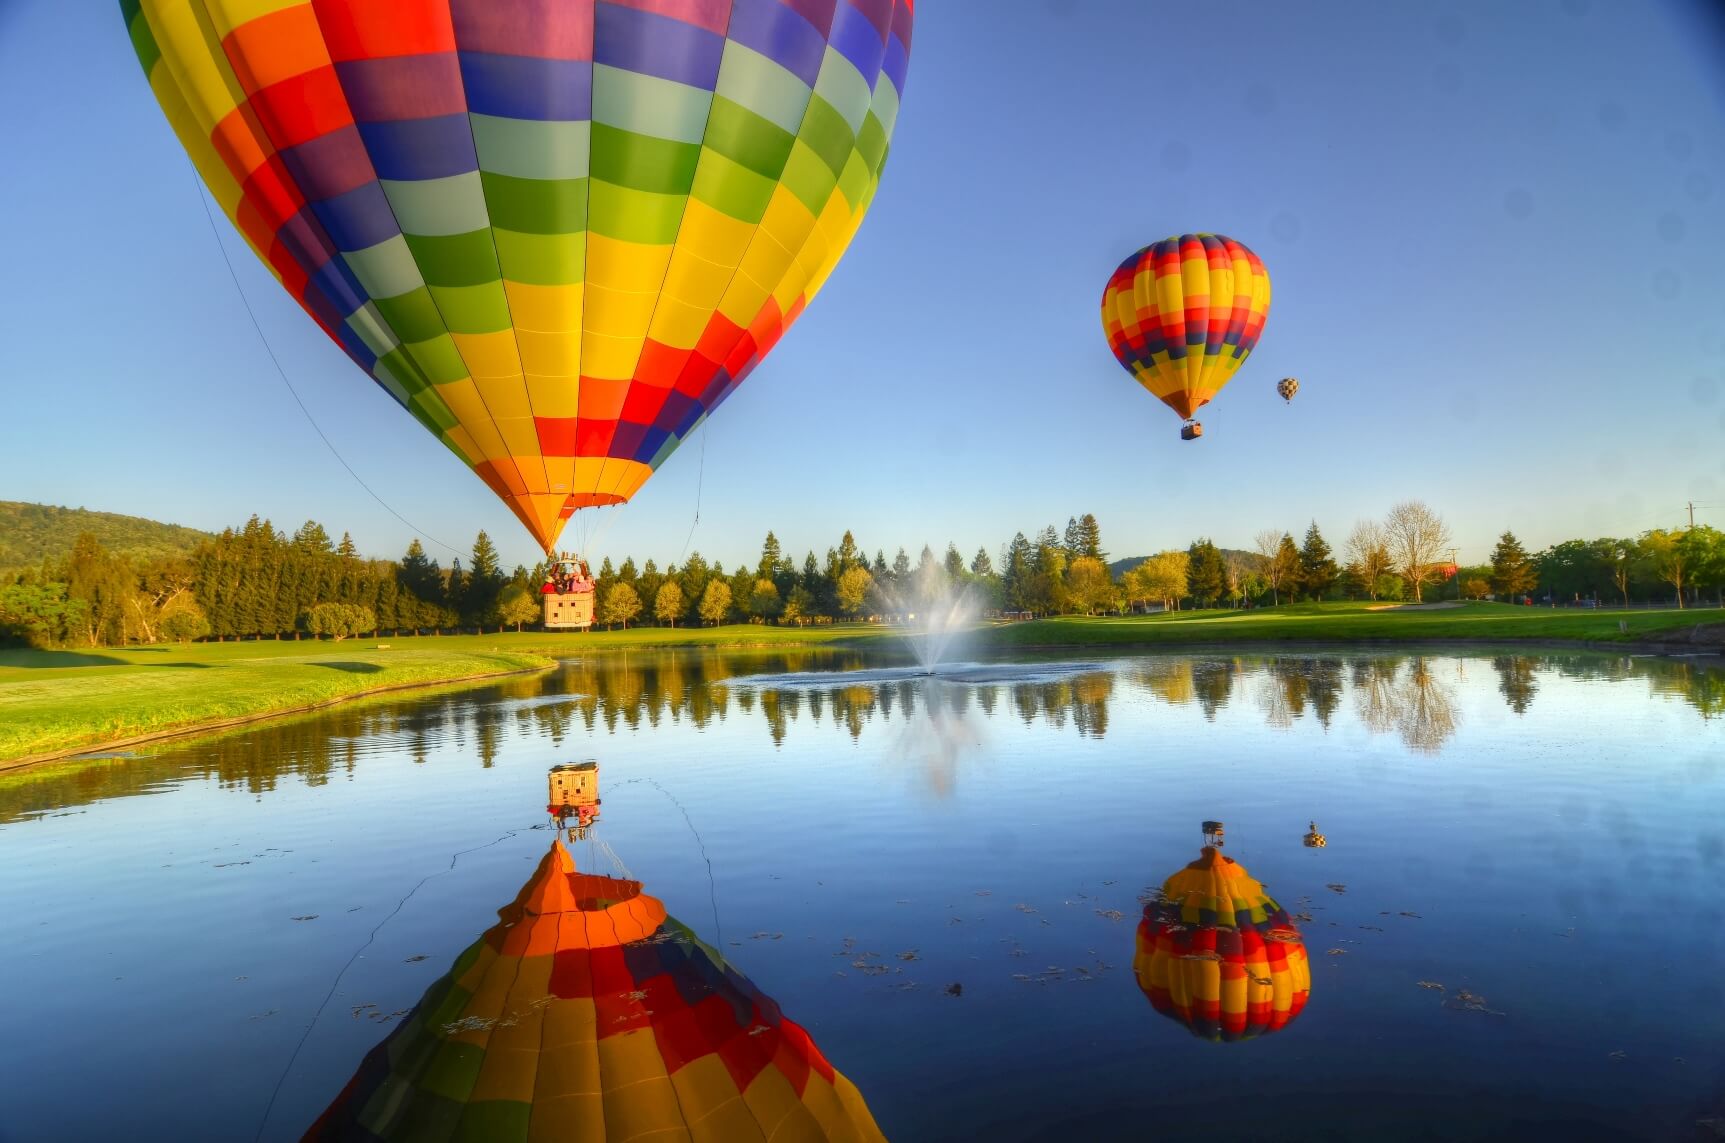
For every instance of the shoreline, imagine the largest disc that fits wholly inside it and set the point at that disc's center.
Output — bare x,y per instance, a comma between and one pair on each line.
871,642
73,753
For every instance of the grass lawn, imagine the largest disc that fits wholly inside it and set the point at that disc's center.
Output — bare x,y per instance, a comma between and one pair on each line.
56,701
1352,622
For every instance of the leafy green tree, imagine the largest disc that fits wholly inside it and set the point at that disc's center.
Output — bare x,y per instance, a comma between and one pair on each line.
339,620
1417,537
1207,579
1090,586
765,602
621,604
668,602
853,590
518,604
799,606
715,601
1368,556
1512,572
1318,571
1163,578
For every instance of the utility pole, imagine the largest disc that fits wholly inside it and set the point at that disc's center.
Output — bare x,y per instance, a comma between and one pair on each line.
1691,513
1454,563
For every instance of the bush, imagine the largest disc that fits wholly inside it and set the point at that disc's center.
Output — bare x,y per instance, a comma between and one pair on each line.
339,620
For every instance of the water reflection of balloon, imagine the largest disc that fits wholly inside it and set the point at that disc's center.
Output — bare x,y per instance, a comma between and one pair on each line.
558,235
1182,314
1218,954
587,1012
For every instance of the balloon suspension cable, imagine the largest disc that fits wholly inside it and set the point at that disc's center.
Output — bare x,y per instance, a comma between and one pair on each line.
700,480
215,232
336,983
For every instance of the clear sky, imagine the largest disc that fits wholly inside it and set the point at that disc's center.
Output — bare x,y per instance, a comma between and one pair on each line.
1495,233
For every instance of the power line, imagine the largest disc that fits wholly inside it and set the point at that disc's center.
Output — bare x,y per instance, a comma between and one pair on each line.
282,373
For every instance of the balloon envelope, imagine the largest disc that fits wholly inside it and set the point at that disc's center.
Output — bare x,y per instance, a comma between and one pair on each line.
1216,953
1182,314
587,1013
558,233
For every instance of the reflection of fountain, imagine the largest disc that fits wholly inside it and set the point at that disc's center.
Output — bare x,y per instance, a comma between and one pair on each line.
933,610
587,1012
936,729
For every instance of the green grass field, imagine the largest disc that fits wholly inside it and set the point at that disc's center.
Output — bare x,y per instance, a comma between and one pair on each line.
58,701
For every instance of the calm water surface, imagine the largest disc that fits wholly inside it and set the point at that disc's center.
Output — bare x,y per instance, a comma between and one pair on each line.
1516,927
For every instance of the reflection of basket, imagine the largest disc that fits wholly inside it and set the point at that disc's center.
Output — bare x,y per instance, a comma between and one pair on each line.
1314,839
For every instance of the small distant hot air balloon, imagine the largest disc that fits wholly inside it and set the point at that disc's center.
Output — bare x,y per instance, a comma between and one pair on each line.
1182,314
1287,387
1314,839
1216,953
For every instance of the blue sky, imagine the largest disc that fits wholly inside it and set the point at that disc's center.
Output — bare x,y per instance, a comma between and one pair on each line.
1494,231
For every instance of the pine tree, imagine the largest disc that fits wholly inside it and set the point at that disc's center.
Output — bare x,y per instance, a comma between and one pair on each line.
953,564
1074,539
1318,570
879,568
1512,573
1206,575
900,568
311,537
1090,538
980,565
849,554
345,549
770,556
484,584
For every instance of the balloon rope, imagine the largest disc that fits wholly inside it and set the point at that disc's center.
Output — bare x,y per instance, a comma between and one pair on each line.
336,983
700,843
282,373
700,480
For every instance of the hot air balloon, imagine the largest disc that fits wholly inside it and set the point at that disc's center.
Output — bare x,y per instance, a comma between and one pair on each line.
1216,953
588,1013
558,234
1286,388
1182,314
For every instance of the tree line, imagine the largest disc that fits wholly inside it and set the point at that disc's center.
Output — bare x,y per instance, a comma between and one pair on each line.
260,582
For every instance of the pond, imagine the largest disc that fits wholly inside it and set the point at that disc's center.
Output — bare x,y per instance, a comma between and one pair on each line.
1514,927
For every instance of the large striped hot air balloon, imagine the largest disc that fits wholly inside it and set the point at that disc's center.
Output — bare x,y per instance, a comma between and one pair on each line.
587,1013
1216,953
1182,314
558,232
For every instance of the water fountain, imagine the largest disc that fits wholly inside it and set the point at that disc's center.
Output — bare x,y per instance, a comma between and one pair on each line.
932,611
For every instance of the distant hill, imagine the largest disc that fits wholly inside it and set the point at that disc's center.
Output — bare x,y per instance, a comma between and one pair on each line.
1118,567
28,532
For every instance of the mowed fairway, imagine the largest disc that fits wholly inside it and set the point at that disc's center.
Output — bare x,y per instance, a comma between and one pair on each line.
55,702
1358,623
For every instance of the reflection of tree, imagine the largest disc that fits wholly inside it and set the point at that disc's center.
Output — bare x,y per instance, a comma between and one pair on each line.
1515,681
1703,687
1427,718
1413,703
1213,681
1170,680
1324,684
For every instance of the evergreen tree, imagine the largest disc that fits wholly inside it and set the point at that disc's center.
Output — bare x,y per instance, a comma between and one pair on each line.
484,584
1207,574
345,549
879,569
850,555
954,564
1016,573
1090,538
1283,570
311,538
770,556
626,571
980,565
900,569
1513,574
1318,571
1073,539
454,596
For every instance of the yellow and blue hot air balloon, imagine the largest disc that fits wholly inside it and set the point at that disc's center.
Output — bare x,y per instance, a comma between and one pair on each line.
558,232
1182,314
1219,955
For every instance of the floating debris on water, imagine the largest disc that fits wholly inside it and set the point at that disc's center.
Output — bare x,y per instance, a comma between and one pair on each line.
1111,914
307,917
1371,928
1304,917
1618,1055
909,954
985,892
1336,887
1431,984
1465,1001
1023,908
416,959
1415,916
229,864
1337,952
955,989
